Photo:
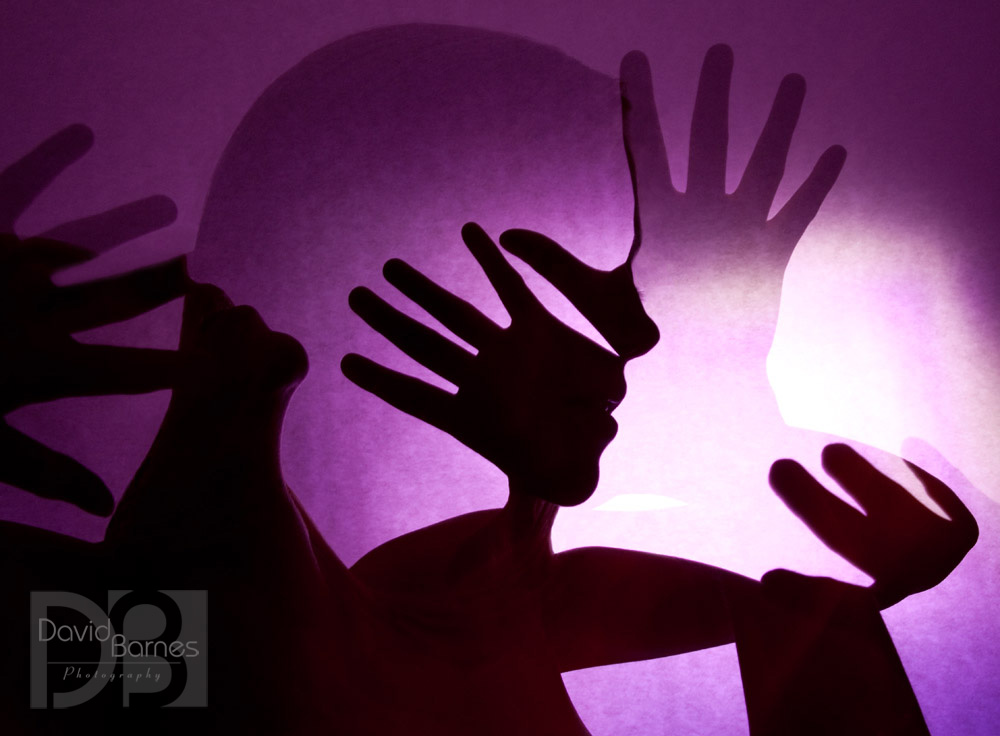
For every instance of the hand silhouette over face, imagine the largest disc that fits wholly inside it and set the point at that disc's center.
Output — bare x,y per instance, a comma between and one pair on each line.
42,361
535,400
898,541
608,299
702,227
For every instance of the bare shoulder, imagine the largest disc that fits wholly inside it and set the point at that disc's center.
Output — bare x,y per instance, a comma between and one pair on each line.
421,557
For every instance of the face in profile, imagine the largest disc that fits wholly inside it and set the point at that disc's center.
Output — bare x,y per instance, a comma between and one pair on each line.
554,391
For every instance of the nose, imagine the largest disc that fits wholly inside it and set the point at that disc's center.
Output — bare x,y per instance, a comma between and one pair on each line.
602,380
617,387
612,378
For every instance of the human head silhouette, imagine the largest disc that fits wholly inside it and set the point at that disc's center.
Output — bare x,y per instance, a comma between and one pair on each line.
381,145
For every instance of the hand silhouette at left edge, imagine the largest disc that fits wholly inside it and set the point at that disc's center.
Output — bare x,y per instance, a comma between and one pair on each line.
42,361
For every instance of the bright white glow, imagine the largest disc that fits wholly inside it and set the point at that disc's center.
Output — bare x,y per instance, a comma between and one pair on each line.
639,502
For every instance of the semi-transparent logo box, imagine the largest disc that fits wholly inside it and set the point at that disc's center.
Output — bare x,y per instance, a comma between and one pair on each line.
139,648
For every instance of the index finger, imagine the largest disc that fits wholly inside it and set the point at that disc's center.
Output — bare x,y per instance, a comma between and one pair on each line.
24,180
839,526
948,500
507,282
866,484
793,219
103,231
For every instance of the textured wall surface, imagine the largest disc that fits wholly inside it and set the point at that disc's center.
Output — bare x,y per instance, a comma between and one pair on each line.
890,320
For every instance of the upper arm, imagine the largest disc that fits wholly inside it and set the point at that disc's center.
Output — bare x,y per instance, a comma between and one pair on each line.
607,606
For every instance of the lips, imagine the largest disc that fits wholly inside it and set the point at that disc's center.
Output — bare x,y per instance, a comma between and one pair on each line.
593,405
610,426
592,417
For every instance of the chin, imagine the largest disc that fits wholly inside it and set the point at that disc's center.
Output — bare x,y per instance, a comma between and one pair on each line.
571,486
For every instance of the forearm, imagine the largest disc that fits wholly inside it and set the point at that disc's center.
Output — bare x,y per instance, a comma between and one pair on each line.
816,658
611,605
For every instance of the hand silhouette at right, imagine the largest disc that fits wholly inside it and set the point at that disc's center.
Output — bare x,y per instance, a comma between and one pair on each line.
903,545
42,361
536,399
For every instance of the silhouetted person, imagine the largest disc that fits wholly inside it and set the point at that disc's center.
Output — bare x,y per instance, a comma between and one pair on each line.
462,627
42,361
619,610
805,669
600,606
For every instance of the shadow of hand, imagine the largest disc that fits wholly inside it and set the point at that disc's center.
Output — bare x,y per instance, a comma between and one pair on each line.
42,361
703,226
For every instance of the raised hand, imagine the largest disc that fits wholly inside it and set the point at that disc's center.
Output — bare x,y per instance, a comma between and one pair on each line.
898,541
42,361
702,229
536,398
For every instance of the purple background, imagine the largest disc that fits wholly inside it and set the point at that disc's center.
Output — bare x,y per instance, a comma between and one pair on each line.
889,319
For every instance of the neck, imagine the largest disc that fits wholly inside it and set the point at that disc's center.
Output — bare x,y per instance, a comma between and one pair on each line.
514,542
526,516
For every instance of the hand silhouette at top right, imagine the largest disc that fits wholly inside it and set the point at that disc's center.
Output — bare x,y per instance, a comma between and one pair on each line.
704,224
42,361
702,228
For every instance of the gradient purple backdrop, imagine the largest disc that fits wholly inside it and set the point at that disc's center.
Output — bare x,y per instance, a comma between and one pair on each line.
889,323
